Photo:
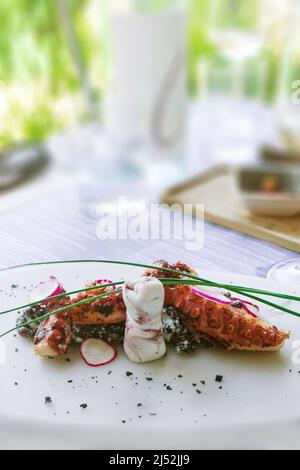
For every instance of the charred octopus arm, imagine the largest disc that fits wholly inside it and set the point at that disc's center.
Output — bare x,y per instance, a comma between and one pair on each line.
107,310
53,335
229,326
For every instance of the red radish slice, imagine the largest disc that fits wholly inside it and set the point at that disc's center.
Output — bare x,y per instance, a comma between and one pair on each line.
96,352
253,310
106,281
46,290
213,294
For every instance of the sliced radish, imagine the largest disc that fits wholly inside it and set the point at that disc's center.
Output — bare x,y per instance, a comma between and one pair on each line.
211,293
46,290
96,352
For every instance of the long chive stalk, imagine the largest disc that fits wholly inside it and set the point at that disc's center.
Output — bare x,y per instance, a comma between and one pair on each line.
167,270
165,281
264,301
272,304
232,286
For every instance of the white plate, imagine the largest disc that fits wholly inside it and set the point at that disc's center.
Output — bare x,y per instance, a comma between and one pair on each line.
257,407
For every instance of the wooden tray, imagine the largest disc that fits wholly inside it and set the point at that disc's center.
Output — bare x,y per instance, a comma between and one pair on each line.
216,190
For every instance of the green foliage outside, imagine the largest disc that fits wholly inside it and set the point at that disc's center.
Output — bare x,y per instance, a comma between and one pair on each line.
39,90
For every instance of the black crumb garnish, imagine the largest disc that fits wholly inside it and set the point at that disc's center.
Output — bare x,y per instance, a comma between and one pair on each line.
153,414
202,382
68,359
48,400
83,406
109,372
194,385
14,286
219,378
128,373
149,379
168,387
220,388
180,376
139,404
123,421
139,416
237,304
290,370
16,350
16,383
198,391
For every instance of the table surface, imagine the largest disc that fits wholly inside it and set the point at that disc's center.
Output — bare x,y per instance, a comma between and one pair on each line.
53,226
44,221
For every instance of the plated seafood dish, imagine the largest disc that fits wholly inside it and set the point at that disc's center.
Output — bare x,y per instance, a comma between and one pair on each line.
167,305
100,352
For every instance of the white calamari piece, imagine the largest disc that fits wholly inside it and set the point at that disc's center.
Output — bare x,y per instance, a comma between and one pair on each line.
144,300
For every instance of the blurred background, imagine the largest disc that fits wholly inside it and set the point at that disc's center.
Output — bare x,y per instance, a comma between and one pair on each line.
39,77
113,92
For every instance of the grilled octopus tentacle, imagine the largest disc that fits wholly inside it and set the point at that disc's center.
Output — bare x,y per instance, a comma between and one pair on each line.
53,336
231,326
